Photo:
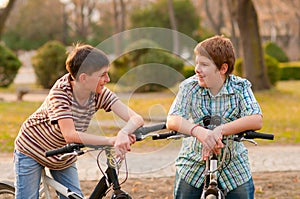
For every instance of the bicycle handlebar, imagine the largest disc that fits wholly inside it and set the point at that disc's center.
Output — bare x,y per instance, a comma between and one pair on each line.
69,148
255,135
142,131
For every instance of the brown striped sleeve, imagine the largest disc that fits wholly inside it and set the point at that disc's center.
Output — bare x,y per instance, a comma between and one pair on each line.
59,106
105,99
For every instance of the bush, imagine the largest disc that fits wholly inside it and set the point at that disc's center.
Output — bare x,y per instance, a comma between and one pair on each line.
290,71
49,63
271,63
188,71
275,51
9,66
273,69
154,68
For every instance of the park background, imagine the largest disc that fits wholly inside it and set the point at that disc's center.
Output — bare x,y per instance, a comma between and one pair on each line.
32,30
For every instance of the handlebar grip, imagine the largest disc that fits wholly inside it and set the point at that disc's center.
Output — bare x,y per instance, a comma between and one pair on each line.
164,135
65,149
254,135
148,129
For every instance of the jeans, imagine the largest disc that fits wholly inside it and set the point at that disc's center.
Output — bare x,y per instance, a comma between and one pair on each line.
28,177
183,190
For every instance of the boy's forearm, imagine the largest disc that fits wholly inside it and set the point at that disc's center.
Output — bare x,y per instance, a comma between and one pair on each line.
133,123
252,122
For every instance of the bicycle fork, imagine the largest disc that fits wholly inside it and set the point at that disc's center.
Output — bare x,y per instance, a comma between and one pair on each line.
210,182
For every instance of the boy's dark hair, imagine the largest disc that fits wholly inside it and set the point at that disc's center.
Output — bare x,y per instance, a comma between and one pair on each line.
85,59
218,49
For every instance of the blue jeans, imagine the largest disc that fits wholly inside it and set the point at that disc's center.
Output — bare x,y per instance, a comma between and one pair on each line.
183,190
28,177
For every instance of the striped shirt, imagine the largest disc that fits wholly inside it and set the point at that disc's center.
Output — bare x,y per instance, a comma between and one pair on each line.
193,102
40,132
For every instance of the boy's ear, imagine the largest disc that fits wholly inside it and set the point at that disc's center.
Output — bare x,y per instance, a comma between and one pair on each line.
82,77
224,68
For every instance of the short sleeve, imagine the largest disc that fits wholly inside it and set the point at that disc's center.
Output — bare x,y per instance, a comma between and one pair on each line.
59,105
181,105
248,102
105,99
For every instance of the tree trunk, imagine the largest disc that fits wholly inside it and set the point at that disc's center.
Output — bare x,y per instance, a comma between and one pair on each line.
4,14
253,59
173,26
219,23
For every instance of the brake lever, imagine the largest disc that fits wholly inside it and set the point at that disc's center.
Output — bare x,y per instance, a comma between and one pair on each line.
77,153
242,139
249,140
176,137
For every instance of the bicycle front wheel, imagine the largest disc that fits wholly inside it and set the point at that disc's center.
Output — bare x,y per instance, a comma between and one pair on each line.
7,191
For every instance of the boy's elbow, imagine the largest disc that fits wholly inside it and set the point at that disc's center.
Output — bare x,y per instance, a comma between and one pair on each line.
259,122
171,123
138,120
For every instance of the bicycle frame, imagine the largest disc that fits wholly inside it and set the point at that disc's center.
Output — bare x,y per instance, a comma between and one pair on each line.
211,189
99,191
48,181
110,177
211,182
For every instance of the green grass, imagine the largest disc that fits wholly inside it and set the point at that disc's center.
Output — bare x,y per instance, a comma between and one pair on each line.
290,64
281,111
12,114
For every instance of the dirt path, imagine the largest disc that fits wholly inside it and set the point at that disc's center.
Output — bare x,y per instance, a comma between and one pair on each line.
268,185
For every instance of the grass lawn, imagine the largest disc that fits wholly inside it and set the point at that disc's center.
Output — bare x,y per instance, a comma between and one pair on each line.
281,110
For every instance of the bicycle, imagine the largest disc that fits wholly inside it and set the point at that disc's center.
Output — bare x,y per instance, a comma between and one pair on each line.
110,177
108,181
210,189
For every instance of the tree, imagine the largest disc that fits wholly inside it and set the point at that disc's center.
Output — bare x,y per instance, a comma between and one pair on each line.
119,22
33,23
254,66
217,24
184,12
4,13
81,16
173,23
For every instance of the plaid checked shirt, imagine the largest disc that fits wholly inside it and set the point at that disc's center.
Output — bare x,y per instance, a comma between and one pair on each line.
193,102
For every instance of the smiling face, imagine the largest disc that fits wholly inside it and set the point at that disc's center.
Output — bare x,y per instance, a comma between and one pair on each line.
209,76
97,80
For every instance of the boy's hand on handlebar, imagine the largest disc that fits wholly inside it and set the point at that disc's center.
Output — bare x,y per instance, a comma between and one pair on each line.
211,141
211,138
122,144
132,138
206,152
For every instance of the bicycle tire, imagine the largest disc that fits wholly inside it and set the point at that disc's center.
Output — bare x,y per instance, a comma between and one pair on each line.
7,191
211,196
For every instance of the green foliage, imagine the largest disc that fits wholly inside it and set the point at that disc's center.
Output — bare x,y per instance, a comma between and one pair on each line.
49,63
157,15
33,23
290,71
238,67
9,66
275,51
273,69
150,64
271,63
188,71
